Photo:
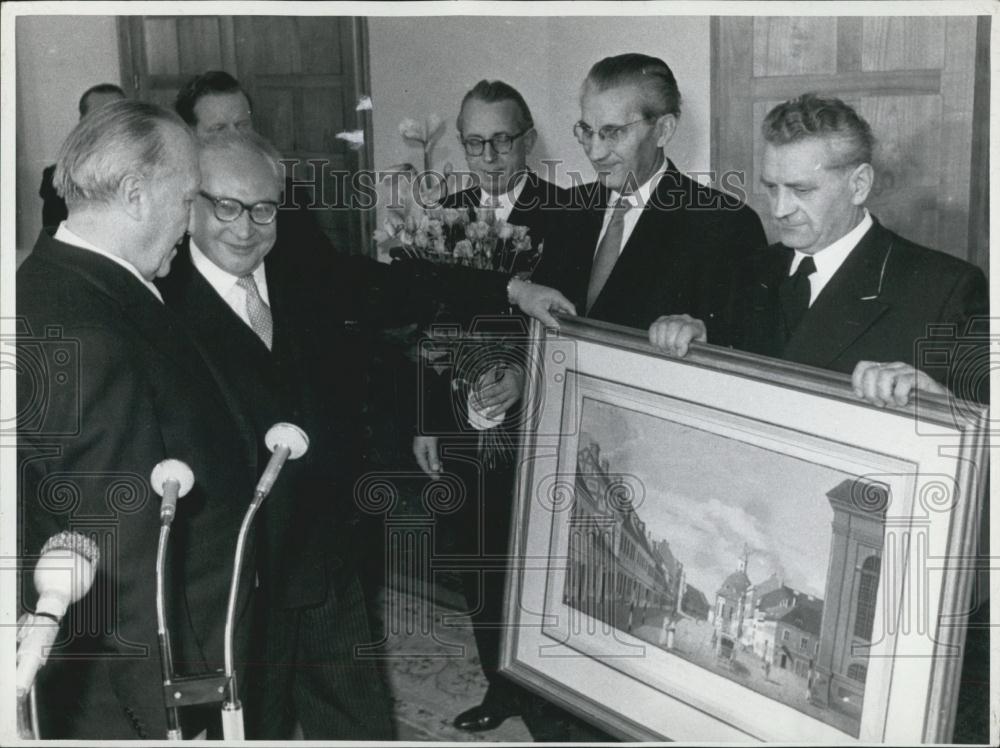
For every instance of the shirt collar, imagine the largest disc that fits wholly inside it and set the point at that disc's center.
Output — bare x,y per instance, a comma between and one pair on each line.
64,235
508,199
640,197
224,282
832,256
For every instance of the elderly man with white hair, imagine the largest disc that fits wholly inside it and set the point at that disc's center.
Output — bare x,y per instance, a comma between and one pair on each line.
109,385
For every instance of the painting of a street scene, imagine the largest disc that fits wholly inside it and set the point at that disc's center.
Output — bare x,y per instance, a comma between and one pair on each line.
752,564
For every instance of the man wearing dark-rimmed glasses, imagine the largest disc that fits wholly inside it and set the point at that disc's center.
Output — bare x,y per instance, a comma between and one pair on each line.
497,134
647,238
265,319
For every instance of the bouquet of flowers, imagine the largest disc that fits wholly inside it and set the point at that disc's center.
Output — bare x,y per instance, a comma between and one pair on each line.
450,236
416,226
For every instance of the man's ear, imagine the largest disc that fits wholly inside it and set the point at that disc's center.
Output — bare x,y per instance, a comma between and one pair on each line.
860,182
668,126
530,138
133,196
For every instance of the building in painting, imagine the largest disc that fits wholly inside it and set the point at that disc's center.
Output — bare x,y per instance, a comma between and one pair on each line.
797,637
615,571
851,592
733,600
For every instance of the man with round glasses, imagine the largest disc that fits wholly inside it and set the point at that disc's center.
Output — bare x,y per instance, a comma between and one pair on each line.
647,238
265,319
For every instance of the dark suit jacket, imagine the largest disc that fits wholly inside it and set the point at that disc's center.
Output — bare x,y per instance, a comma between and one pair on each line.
880,305
54,209
537,208
119,386
686,254
312,377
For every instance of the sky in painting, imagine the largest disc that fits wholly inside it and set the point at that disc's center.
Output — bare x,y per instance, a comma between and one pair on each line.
708,495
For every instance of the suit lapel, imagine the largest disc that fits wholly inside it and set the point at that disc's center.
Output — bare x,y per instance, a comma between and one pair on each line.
158,324
649,237
848,306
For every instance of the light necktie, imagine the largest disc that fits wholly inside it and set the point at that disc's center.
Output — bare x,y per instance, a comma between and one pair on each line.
795,292
258,312
607,252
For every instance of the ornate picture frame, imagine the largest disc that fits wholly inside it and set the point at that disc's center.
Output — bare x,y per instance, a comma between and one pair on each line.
726,547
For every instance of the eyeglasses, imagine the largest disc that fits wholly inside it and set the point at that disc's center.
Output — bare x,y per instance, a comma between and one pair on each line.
501,143
228,209
610,134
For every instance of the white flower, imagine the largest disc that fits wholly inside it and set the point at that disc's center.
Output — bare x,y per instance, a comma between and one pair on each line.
504,230
409,128
364,104
355,138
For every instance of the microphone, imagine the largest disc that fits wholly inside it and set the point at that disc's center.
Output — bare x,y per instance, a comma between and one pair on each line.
171,479
64,574
286,442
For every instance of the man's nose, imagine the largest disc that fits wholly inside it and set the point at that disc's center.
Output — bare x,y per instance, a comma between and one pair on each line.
489,154
782,204
243,227
596,148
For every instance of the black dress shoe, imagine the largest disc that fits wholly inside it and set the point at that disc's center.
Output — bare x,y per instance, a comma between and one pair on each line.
481,718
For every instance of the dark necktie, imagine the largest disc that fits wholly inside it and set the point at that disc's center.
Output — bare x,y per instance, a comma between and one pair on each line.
607,252
795,292
258,312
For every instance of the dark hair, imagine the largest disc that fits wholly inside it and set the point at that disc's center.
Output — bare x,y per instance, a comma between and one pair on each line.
491,92
811,116
208,83
100,88
653,76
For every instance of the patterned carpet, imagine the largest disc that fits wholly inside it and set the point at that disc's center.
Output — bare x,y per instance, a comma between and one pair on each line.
433,669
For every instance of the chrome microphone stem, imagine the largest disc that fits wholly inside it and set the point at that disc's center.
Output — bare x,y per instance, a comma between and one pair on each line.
33,701
163,633
232,721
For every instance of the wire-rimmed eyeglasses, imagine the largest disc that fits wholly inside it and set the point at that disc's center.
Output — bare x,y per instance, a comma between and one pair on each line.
228,209
610,134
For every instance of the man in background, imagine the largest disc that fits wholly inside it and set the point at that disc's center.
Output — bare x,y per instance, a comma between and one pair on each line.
126,388
497,134
267,318
53,206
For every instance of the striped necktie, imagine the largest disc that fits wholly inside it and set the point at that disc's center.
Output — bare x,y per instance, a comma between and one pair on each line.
258,312
607,252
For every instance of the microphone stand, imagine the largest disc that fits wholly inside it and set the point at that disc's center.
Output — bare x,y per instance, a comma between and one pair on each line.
232,709
286,441
163,634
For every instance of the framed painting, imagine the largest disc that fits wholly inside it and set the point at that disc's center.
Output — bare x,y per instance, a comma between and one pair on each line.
727,547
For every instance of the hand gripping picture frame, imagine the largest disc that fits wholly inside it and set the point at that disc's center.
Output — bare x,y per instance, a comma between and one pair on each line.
727,547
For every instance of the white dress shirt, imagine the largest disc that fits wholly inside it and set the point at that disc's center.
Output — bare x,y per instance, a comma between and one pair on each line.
829,259
636,201
225,283
503,204
66,236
